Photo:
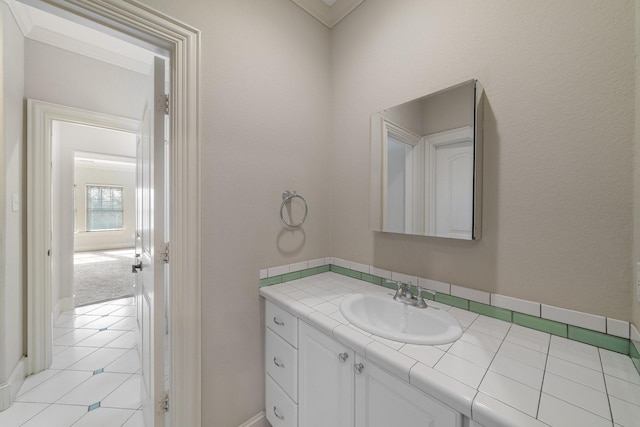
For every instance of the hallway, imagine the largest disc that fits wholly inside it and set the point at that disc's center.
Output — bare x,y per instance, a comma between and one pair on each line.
94,379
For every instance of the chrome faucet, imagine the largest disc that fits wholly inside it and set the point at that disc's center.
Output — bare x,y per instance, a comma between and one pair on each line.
404,295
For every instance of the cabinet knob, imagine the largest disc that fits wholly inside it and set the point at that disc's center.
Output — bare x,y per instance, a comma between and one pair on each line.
343,357
275,412
279,365
358,367
278,321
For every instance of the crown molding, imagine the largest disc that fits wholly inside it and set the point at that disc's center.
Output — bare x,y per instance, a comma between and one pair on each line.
329,12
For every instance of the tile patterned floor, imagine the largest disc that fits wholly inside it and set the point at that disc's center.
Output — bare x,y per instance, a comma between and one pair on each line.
94,379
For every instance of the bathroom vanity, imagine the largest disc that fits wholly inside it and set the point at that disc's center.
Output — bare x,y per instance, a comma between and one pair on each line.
323,371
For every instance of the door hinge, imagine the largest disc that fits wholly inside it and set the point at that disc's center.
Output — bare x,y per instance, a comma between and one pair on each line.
164,252
164,403
166,103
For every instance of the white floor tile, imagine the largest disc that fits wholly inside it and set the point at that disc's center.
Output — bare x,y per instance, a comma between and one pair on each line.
58,348
19,413
127,396
93,390
577,394
77,321
556,412
128,363
71,355
74,337
100,338
125,324
127,340
36,379
128,310
57,416
136,420
105,309
58,332
102,322
99,359
104,417
55,387
510,392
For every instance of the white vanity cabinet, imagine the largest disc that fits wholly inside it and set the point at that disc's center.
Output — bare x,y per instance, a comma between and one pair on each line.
326,380
383,400
339,388
281,365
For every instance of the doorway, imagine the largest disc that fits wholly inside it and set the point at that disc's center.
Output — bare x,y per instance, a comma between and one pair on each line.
182,42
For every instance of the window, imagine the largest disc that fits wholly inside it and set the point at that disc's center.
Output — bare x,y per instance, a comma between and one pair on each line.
104,207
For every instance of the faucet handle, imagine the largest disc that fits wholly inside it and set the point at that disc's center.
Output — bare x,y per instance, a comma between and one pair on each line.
421,303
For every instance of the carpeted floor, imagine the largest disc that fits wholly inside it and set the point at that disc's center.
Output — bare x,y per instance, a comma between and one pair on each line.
102,276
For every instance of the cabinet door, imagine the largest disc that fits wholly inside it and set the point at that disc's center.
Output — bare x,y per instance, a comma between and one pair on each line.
326,380
383,400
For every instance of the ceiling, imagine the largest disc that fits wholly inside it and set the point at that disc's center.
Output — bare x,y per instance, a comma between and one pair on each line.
36,24
54,30
329,12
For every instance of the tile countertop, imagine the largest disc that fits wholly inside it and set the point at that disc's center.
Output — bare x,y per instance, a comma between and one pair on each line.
498,373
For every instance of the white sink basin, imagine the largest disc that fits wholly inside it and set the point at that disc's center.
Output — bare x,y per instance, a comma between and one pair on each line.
379,314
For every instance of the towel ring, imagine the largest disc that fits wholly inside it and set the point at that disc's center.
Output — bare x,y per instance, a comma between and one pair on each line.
287,196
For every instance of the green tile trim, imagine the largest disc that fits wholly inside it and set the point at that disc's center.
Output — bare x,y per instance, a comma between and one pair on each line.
270,281
309,272
291,276
487,310
346,272
454,301
598,339
544,325
371,279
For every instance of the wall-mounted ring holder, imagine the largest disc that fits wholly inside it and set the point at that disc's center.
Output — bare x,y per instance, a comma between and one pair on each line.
287,196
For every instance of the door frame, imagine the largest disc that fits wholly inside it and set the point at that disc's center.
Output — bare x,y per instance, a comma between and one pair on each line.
183,44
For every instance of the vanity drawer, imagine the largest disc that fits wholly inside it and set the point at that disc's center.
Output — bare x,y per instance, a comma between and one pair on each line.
281,363
281,411
282,323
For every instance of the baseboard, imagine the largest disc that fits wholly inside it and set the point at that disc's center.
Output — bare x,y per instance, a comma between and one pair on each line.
258,420
63,304
10,389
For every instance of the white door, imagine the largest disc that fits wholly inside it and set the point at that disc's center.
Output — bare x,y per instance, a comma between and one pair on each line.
383,400
326,380
150,239
454,190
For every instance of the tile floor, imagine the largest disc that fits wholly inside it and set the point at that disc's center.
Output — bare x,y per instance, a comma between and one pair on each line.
94,379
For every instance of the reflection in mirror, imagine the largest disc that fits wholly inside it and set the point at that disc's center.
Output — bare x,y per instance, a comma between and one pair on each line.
426,165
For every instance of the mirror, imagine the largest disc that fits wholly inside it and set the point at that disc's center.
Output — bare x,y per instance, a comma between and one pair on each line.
426,165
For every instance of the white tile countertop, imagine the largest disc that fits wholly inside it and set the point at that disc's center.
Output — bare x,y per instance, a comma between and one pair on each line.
498,373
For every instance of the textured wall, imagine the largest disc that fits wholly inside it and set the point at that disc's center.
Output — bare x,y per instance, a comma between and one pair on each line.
635,305
559,79
265,128
12,292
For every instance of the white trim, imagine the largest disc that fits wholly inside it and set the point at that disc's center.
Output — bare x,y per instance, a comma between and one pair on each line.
10,389
183,43
40,118
260,419
63,304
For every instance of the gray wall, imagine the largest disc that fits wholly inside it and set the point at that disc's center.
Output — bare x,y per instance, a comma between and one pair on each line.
12,276
558,199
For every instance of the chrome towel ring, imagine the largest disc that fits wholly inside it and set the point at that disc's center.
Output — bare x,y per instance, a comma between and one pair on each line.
287,196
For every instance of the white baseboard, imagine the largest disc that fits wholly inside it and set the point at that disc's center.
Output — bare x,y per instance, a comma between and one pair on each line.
63,304
9,390
258,420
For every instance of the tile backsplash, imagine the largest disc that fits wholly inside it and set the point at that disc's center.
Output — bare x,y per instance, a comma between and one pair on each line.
612,334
